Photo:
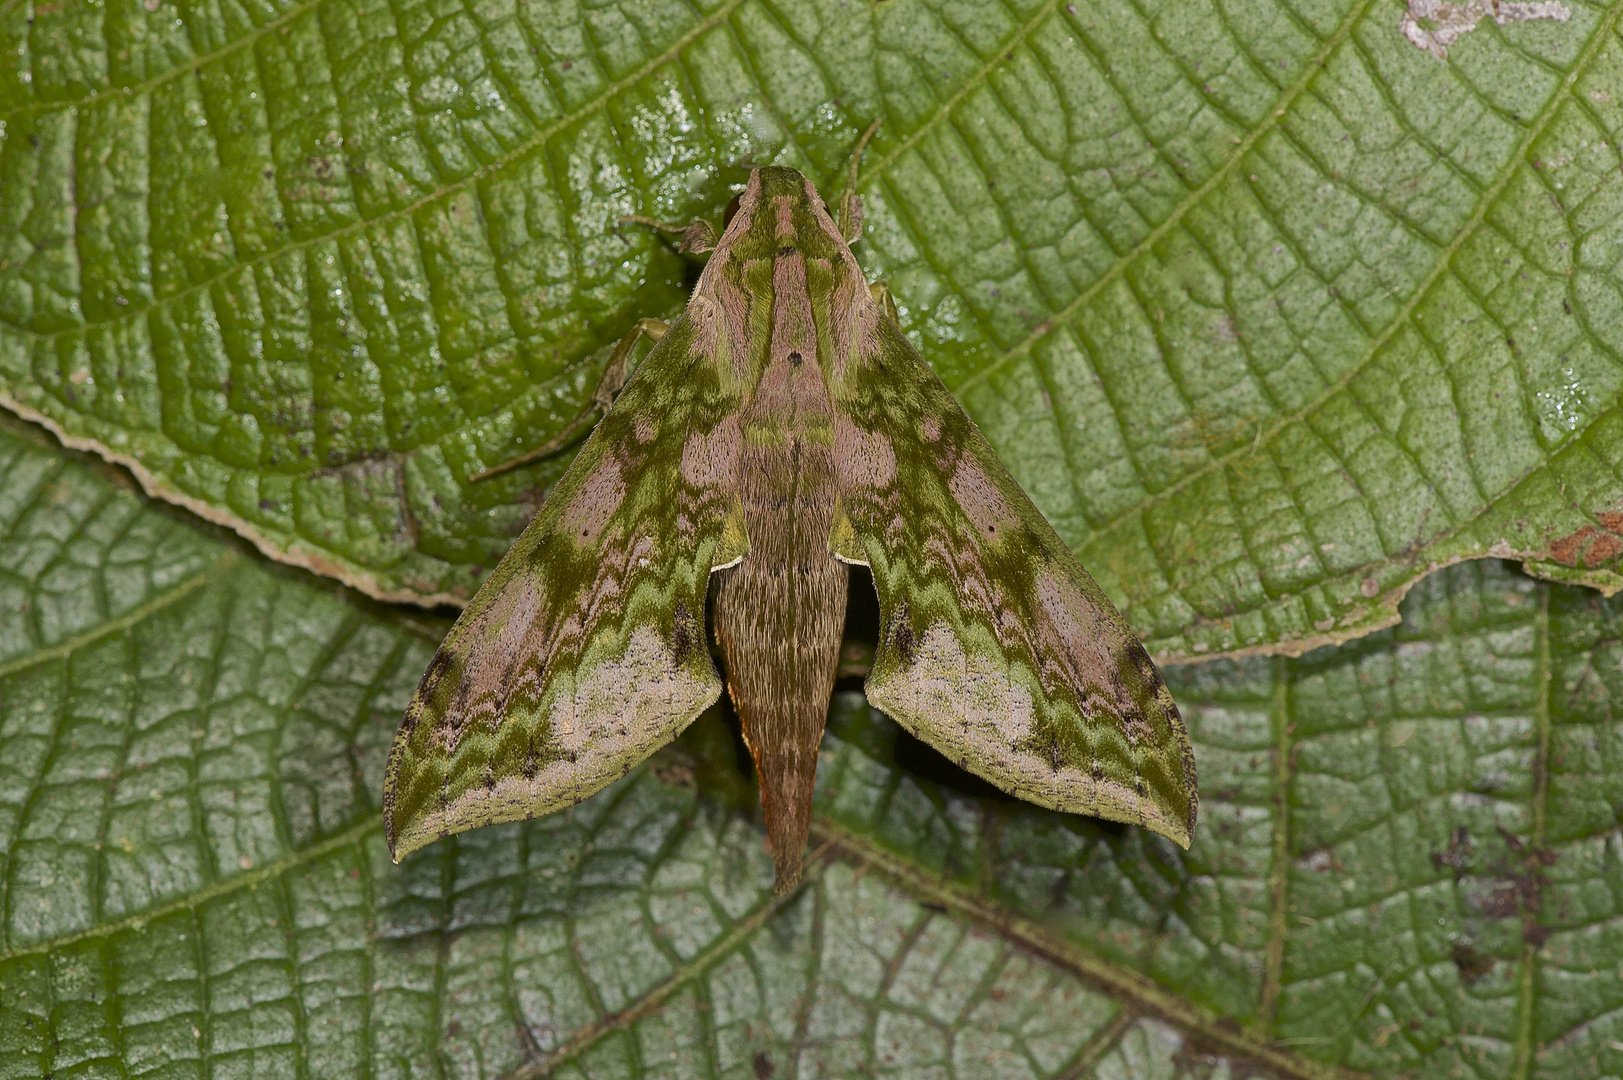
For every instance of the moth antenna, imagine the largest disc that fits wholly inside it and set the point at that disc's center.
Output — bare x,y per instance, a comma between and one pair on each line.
850,206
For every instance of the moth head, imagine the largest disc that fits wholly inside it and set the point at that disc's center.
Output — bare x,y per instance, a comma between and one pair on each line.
780,211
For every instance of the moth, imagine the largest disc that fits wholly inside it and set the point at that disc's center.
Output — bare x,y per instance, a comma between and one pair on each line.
781,431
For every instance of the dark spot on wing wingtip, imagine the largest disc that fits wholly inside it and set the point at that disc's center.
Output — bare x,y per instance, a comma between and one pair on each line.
901,634
787,249
444,660
796,359
389,837
1190,779
687,636
1139,657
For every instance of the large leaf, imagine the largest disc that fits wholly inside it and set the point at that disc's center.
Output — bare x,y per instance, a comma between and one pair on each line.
1407,862
1270,309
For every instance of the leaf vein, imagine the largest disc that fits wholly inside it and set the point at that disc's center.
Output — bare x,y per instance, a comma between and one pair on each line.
1400,320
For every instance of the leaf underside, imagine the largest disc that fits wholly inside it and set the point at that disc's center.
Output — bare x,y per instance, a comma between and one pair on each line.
1404,864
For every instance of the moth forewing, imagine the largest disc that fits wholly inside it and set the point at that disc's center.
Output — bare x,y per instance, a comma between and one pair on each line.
783,428
584,651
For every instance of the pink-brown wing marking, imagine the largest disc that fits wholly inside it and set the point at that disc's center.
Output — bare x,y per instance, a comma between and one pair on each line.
997,647
585,650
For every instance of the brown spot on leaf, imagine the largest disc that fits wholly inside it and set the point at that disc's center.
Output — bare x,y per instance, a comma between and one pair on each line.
1499,902
1589,547
1472,964
764,1068
1457,855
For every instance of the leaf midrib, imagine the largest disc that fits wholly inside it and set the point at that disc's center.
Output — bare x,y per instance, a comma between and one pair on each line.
1126,985
191,901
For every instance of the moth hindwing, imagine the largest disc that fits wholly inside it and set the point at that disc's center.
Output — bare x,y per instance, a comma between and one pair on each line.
781,429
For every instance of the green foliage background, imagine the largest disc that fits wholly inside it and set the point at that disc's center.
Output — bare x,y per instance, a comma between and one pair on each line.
1273,313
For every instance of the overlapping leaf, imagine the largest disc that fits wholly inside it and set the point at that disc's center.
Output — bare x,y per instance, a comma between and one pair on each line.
1270,310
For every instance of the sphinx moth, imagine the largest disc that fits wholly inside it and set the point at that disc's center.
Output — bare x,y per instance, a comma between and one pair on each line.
781,430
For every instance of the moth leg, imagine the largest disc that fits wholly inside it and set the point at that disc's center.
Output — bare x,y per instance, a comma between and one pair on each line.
615,374
850,203
698,237
618,369
887,303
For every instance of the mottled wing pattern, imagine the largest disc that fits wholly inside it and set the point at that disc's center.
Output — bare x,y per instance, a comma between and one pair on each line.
996,647
585,651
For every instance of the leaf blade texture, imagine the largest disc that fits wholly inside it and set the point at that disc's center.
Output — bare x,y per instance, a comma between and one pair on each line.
1246,270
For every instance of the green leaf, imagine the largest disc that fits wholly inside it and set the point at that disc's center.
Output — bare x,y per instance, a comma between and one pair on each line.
1271,310
1407,862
